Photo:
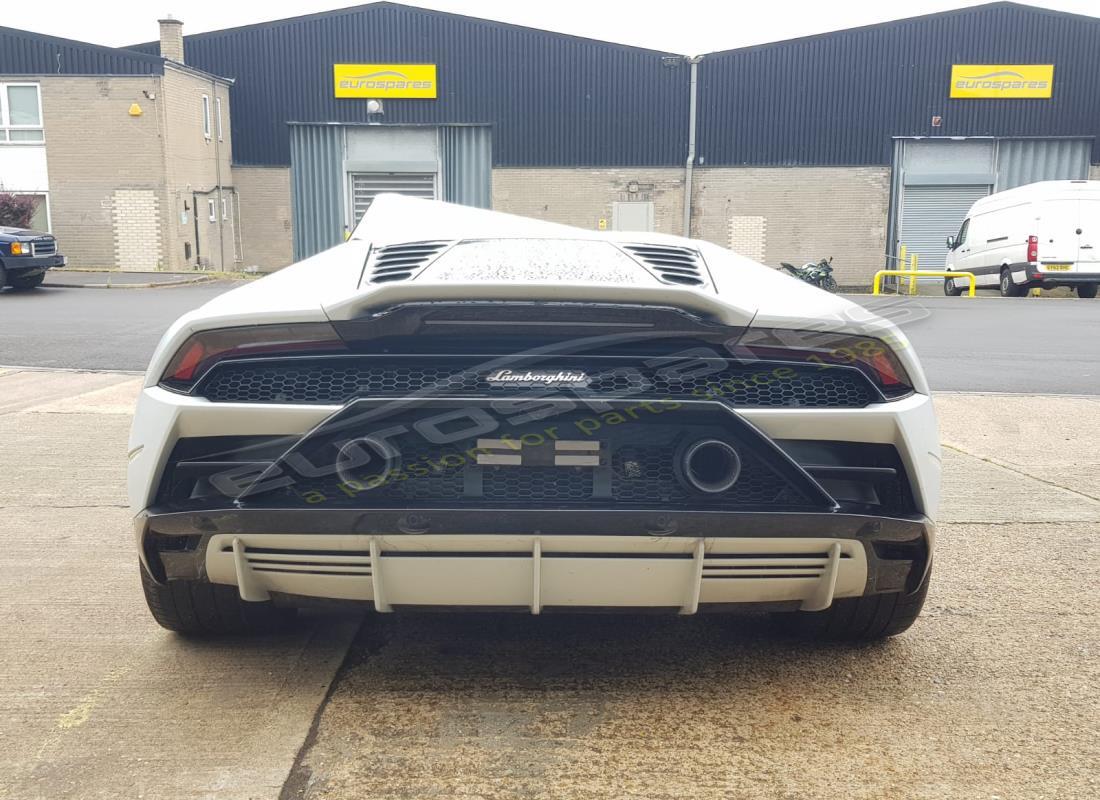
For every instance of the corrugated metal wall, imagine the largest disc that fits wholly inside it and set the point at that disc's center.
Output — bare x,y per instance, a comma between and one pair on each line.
838,98
1021,161
319,179
467,165
24,53
553,100
316,187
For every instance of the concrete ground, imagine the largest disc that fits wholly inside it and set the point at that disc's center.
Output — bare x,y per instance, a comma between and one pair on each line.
97,701
993,693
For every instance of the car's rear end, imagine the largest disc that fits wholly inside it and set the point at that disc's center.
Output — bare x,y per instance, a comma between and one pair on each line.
476,428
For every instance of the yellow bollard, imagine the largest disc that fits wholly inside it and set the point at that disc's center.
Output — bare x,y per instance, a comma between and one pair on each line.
913,268
901,265
930,273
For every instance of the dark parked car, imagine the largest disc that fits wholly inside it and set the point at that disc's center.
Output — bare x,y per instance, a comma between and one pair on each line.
25,256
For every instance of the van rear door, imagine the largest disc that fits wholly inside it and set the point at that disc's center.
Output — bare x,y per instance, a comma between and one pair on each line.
1088,243
1058,224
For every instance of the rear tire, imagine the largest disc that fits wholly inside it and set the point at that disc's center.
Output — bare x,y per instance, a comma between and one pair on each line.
858,619
199,608
1008,286
25,284
1087,290
950,289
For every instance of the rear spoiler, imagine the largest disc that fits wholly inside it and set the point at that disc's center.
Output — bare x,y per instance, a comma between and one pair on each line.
699,302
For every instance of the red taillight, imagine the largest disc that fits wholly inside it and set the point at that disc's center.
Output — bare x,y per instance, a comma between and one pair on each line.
205,349
189,362
886,370
1033,249
873,357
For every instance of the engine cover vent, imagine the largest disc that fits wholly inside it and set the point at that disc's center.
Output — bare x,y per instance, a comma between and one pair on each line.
676,265
402,262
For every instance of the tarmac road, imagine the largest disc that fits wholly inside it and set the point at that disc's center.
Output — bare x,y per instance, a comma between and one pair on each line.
985,344
105,329
993,693
999,344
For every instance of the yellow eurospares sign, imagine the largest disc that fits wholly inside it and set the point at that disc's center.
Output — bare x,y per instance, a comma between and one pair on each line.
1002,80
385,80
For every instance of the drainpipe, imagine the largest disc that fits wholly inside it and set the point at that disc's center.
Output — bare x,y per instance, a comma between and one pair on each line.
218,120
690,165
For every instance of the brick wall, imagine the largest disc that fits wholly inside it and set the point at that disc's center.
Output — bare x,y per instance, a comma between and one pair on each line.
137,228
582,197
107,165
1094,172
265,216
94,148
194,164
809,213
794,214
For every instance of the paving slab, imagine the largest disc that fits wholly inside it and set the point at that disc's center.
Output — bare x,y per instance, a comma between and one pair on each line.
1051,439
22,389
99,702
992,693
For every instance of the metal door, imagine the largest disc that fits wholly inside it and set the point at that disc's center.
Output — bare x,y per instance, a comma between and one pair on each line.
930,214
365,186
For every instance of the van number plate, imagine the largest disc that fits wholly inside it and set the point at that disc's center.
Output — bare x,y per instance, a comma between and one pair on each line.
1055,267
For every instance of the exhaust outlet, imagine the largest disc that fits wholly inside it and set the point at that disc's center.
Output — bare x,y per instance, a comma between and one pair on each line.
711,466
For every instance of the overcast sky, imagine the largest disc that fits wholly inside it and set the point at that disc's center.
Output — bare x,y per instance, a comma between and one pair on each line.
679,26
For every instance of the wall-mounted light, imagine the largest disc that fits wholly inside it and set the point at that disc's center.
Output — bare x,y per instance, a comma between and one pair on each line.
375,107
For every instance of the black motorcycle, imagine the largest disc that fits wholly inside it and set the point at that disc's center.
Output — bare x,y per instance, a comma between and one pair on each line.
819,274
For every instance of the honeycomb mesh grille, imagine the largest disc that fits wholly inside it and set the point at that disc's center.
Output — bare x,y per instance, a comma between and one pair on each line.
336,381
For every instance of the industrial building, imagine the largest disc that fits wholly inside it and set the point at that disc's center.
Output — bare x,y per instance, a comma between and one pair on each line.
126,155
843,144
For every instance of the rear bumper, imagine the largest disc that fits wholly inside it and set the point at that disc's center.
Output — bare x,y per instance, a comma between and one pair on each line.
545,559
1039,277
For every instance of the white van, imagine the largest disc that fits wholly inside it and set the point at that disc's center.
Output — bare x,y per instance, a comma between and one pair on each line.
1041,235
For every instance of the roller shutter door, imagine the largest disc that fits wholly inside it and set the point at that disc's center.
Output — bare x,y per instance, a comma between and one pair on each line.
929,214
365,186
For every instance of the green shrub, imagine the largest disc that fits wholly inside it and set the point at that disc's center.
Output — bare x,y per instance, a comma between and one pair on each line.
16,211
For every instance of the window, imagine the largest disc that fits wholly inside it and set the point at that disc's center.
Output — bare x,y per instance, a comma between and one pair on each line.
40,210
206,115
961,238
212,209
225,208
20,113
218,116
